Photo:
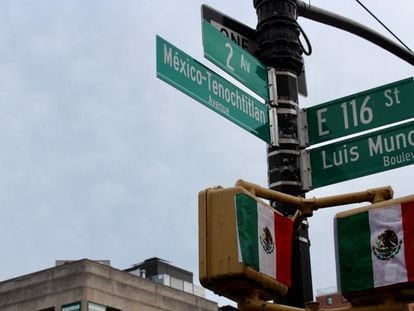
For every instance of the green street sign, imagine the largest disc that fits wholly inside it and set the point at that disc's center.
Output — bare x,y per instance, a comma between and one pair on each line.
194,79
234,60
366,110
363,155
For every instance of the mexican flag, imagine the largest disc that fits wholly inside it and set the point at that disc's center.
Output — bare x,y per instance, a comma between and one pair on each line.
375,248
264,238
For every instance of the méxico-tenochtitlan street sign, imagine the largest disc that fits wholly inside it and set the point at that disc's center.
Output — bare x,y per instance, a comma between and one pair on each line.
196,80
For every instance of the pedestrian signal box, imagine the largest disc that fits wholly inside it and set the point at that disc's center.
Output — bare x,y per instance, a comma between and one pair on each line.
375,251
244,245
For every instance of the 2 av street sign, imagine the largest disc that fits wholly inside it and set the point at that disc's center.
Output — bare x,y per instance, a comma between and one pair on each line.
366,110
234,60
371,153
242,35
194,79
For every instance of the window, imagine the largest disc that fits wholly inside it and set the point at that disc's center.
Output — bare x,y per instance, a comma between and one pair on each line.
329,300
48,309
76,306
161,278
188,287
97,307
177,283
167,280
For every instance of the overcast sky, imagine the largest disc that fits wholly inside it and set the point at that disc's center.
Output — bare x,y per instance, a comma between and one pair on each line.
100,159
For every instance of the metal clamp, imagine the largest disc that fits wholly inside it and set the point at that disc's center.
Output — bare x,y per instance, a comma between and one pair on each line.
303,129
271,76
273,120
305,170
274,126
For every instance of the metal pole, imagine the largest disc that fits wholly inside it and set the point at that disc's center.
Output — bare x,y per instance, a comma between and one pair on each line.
329,18
279,48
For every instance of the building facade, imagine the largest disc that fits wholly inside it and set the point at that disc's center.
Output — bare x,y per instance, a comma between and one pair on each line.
87,285
331,300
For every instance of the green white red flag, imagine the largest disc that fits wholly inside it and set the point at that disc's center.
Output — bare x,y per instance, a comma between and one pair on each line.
375,248
264,238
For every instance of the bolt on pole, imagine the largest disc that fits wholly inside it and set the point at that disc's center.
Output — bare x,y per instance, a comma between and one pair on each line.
279,48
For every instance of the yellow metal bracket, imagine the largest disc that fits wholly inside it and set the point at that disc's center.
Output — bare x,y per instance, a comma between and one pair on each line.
306,206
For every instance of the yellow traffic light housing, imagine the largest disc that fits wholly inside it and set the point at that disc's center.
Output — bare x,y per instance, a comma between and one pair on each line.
375,252
221,269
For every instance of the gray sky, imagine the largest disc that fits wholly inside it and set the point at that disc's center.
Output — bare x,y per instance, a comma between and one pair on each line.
99,159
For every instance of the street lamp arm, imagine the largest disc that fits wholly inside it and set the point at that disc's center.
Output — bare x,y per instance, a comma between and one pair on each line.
320,15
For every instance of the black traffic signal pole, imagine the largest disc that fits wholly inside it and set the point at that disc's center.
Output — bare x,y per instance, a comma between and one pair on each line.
279,48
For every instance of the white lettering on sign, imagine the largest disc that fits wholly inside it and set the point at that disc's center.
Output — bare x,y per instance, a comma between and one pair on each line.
238,100
404,157
237,38
183,66
244,64
363,116
229,57
340,157
355,114
218,106
241,102
321,120
390,100
380,144
377,146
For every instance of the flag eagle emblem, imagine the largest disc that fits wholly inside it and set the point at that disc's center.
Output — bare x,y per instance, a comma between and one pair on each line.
266,240
387,245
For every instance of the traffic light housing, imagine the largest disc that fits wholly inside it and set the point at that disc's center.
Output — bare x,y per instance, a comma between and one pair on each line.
220,269
374,248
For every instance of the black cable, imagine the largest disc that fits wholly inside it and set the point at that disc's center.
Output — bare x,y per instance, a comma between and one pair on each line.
309,50
341,22
383,25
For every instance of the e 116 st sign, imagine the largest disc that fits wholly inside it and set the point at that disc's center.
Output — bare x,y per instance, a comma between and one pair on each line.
366,110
